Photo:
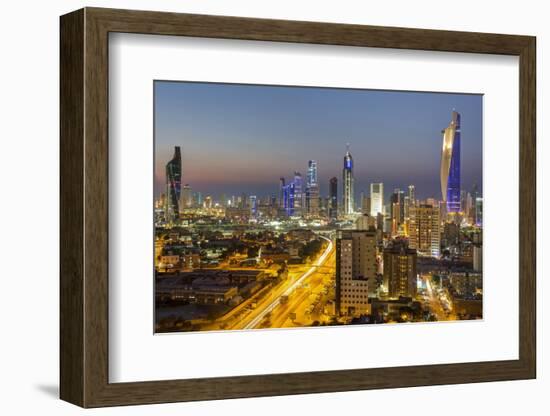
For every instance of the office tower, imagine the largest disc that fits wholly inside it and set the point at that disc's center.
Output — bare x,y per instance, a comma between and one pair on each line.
406,206
223,200
253,204
412,195
376,199
186,196
298,194
450,165
347,178
400,270
243,201
356,269
424,230
397,206
401,197
333,198
312,189
208,202
282,185
197,199
365,203
288,198
293,197
479,211
173,187
478,252
463,197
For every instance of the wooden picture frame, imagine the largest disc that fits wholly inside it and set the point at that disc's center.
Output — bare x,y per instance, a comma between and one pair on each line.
84,207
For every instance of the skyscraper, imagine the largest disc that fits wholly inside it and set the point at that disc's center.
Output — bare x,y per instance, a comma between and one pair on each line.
412,195
186,196
173,187
282,191
292,196
333,198
347,174
478,252
425,234
398,206
450,165
288,198
400,270
376,199
299,195
356,269
479,211
365,204
253,204
312,189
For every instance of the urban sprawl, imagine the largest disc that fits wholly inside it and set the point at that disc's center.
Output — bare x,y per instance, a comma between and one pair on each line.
298,258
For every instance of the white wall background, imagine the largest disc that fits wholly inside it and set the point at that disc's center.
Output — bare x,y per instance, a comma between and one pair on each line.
29,84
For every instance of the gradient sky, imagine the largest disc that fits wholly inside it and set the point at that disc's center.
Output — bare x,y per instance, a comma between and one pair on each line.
239,138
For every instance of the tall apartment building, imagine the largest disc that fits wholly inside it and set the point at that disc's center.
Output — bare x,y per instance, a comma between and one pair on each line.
400,270
356,269
425,232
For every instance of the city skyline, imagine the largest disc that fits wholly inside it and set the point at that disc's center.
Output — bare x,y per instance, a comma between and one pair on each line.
189,115
382,224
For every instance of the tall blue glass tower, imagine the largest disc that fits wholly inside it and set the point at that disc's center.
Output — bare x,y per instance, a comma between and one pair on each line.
450,165
347,179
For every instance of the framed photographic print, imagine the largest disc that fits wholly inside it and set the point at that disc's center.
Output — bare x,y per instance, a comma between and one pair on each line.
256,207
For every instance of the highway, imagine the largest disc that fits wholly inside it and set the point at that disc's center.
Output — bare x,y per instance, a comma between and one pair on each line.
436,303
267,307
301,301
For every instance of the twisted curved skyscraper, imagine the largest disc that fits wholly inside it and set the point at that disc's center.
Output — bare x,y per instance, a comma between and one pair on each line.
173,187
348,183
450,164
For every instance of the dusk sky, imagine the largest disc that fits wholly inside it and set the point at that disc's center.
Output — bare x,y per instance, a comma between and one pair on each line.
239,138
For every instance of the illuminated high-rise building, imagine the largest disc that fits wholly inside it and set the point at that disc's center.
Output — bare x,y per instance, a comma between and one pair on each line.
347,179
282,191
288,198
333,198
376,199
312,189
450,165
424,230
479,211
397,206
173,187
253,204
197,199
356,269
292,196
412,195
186,196
406,207
223,200
400,270
365,203
478,252
299,194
